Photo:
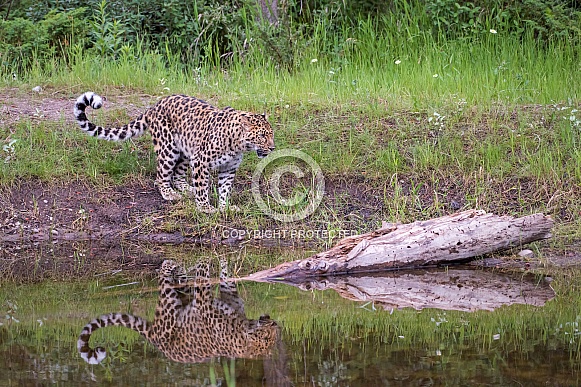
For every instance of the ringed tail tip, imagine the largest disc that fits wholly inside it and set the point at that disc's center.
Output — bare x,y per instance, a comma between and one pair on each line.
90,99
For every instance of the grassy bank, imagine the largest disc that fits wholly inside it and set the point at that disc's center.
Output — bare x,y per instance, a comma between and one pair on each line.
403,126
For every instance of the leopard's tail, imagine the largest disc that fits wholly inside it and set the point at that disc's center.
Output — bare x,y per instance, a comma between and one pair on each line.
95,356
133,129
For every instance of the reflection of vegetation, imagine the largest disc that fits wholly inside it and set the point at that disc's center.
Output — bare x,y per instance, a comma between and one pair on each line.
229,373
319,329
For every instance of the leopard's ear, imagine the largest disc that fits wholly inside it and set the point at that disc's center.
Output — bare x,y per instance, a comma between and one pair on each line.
265,116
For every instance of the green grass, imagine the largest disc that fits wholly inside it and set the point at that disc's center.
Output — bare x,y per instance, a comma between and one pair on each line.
44,150
452,121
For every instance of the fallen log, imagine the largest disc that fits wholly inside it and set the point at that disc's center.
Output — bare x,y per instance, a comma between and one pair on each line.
455,238
466,289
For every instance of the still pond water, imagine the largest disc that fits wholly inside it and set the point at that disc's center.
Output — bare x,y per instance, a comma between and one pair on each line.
426,328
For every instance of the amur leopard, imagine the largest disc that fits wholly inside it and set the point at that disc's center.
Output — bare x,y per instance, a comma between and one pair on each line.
192,323
188,132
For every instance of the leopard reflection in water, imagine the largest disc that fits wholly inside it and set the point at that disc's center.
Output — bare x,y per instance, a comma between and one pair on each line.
192,323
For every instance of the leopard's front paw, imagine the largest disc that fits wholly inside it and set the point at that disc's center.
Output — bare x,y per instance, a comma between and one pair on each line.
170,195
184,188
207,209
231,207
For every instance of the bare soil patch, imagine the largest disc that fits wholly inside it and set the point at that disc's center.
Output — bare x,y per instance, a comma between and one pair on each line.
79,224
56,105
77,230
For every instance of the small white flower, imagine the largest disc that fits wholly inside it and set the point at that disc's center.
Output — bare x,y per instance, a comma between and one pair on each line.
331,72
397,62
496,336
401,337
492,31
314,60
435,75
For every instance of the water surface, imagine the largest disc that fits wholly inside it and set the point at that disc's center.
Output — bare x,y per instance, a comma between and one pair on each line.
326,339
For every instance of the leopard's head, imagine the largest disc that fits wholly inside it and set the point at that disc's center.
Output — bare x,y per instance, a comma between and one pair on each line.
171,273
262,336
259,134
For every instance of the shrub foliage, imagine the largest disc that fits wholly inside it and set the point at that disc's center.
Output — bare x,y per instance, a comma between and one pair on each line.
280,30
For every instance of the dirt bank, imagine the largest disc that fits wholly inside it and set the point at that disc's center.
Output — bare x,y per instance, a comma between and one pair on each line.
74,228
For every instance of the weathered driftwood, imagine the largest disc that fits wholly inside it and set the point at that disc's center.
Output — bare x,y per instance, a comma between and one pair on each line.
454,238
451,289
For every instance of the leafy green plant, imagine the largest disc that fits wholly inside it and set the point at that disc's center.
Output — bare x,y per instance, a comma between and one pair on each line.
65,28
22,41
544,19
452,18
107,35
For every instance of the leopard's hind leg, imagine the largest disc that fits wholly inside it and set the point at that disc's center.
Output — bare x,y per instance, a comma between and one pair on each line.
168,155
201,183
226,174
180,178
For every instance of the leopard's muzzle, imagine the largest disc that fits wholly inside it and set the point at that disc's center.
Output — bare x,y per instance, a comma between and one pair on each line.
261,153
